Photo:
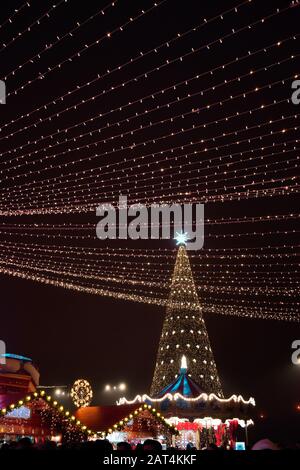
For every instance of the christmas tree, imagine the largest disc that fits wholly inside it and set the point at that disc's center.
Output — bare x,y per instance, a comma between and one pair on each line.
184,333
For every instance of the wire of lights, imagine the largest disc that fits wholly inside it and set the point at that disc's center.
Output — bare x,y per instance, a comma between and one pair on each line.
79,52
38,21
158,250
256,313
102,11
143,277
178,197
130,103
151,281
194,154
144,113
208,235
166,136
252,169
139,265
117,68
91,226
14,14
142,274
159,281
168,62
58,38
255,173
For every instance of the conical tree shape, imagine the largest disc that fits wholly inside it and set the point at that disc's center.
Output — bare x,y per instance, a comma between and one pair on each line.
184,333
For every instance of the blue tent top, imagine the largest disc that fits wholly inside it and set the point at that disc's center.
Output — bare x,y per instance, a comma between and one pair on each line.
183,384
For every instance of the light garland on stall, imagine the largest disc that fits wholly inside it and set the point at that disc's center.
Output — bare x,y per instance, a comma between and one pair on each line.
41,395
178,396
123,422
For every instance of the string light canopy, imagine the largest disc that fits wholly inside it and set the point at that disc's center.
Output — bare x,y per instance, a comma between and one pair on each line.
160,127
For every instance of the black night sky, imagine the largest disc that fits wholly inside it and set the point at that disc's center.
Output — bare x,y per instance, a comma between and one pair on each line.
70,334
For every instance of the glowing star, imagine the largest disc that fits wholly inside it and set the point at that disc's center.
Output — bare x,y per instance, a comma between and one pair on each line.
181,238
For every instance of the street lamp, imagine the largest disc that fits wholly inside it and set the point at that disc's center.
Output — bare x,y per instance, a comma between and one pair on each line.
114,388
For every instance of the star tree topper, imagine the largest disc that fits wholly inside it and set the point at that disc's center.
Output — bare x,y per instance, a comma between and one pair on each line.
181,238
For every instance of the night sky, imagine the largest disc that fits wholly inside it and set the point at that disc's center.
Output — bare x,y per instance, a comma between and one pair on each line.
72,335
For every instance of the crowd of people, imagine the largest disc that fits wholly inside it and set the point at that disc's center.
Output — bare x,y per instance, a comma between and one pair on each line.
105,446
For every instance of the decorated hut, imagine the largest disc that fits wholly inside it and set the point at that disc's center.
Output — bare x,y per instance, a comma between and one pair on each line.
131,423
27,412
41,418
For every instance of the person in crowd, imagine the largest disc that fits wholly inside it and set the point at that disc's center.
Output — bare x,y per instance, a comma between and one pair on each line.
150,445
124,447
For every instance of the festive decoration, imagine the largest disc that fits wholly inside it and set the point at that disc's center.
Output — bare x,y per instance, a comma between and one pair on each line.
184,333
59,411
223,133
81,393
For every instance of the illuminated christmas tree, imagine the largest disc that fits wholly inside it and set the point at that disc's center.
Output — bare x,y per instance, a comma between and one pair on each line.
184,333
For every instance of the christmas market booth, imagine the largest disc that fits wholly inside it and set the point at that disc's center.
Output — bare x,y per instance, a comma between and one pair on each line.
26,411
201,419
131,423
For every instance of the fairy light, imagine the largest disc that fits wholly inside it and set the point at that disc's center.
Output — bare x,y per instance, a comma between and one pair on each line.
41,395
16,11
274,314
81,51
140,273
169,198
140,100
143,113
12,191
101,260
206,182
117,68
141,279
235,278
58,40
210,148
208,235
151,141
177,396
118,426
29,28
53,249
220,221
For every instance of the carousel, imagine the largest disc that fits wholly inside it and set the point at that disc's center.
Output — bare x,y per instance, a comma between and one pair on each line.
201,419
